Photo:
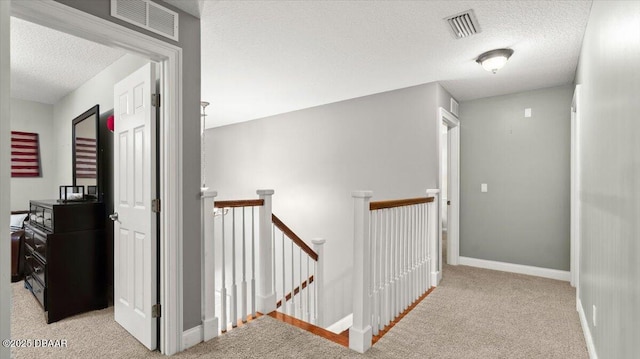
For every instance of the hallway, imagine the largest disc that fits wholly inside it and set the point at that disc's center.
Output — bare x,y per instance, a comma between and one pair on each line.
474,313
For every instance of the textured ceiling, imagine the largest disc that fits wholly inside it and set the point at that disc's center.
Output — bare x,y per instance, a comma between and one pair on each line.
261,58
193,7
47,64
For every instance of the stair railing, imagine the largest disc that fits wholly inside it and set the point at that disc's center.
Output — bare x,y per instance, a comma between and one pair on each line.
239,265
394,257
299,274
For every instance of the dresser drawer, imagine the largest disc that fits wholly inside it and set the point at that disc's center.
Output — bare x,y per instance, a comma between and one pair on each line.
38,290
35,267
36,241
41,216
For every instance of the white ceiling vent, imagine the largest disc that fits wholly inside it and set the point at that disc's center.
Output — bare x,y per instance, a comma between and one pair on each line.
147,15
463,24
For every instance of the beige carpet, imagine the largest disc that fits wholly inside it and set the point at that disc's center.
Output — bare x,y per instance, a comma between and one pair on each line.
474,313
445,245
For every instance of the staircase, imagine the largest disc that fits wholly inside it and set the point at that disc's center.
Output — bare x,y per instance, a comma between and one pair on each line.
254,264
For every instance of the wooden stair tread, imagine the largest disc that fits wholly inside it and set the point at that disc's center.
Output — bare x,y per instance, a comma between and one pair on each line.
343,337
386,329
336,338
381,333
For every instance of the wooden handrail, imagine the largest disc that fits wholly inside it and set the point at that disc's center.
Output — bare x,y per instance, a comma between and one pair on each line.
299,242
239,203
398,203
295,291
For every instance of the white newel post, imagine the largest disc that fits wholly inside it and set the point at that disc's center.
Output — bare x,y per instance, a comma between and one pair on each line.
266,296
209,319
435,254
318,247
360,332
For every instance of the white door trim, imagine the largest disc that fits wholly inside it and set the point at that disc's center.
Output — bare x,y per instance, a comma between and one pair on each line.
63,18
575,191
453,214
5,178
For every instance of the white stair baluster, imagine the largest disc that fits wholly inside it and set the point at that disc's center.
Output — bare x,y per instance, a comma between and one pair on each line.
243,287
284,278
223,291
388,280
373,286
292,307
307,318
253,263
234,286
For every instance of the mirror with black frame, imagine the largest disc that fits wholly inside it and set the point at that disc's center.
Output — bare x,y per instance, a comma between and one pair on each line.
85,152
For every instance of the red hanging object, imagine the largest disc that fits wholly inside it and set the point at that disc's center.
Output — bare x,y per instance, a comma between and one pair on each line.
110,123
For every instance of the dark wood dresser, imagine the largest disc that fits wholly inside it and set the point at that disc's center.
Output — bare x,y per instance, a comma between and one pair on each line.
65,257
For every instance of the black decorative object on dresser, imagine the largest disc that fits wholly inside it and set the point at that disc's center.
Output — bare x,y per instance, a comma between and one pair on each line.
65,257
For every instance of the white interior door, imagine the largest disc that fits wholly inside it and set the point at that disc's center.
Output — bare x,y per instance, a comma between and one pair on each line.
135,246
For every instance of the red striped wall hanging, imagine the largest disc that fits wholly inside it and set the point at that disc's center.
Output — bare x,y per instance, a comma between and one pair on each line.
86,152
25,154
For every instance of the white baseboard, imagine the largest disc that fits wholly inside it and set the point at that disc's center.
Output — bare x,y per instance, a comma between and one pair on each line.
516,268
586,331
435,278
341,325
191,337
209,329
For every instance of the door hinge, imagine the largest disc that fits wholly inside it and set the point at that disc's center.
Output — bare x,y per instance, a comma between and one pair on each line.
155,100
156,311
155,205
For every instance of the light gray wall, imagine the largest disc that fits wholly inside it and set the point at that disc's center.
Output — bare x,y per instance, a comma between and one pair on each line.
29,116
609,128
190,44
524,217
98,90
314,158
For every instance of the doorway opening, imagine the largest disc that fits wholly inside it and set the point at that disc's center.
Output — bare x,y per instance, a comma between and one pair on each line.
67,283
575,193
449,159
83,25
444,187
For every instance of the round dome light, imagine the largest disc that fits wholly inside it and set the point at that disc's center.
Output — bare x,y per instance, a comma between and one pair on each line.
494,60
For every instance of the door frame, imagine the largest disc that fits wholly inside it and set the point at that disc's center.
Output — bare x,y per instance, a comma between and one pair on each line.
5,178
575,192
63,18
453,211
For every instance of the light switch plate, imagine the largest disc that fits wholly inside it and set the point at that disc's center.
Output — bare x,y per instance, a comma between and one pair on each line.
527,112
483,187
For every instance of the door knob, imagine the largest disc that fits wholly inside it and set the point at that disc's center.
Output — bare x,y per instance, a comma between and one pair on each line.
114,217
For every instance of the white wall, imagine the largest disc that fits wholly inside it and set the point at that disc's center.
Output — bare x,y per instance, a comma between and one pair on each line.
314,158
98,90
609,127
35,117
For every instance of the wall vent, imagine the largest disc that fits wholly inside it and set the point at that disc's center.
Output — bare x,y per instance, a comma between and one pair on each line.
147,15
454,107
463,24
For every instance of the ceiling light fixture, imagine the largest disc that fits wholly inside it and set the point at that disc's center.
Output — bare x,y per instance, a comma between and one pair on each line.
494,60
